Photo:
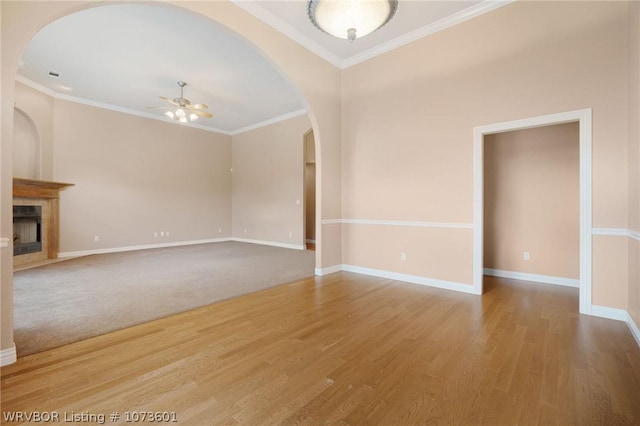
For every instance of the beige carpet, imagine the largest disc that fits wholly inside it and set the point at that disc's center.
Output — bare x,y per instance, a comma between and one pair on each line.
69,301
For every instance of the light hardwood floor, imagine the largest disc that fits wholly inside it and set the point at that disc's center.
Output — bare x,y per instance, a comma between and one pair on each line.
351,349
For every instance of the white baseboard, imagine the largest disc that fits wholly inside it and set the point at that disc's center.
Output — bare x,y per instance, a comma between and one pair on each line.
176,244
619,315
546,279
328,270
311,241
609,313
635,330
414,279
269,243
140,247
8,356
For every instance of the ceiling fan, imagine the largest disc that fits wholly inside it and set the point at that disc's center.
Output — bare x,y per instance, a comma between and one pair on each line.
182,109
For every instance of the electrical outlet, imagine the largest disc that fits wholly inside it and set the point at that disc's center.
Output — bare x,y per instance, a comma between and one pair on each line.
297,202
403,256
525,255
245,230
162,233
166,233
155,235
96,238
219,229
290,234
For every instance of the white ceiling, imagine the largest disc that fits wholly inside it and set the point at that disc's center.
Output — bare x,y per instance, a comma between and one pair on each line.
413,19
124,56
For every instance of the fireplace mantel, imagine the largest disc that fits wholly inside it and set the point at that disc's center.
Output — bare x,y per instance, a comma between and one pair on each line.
46,194
31,188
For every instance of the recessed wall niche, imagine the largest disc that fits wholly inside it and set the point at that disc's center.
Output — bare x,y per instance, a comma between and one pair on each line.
26,147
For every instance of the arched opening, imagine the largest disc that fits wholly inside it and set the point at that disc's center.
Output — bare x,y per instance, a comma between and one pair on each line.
312,118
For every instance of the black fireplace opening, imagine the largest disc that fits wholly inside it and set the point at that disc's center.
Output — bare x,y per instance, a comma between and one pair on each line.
27,229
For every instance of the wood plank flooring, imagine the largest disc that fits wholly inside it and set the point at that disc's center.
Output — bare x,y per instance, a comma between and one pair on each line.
349,349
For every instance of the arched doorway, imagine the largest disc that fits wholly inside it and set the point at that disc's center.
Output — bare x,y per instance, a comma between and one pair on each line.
317,82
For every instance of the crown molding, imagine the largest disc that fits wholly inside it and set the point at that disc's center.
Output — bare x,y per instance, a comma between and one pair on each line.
269,122
47,91
43,89
283,27
434,27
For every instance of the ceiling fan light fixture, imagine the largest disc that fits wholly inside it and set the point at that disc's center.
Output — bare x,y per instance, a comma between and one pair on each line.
182,110
348,19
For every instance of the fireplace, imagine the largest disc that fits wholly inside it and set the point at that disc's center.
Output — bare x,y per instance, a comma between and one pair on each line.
35,221
27,229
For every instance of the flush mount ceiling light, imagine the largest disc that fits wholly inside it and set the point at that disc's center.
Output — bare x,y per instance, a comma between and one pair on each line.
349,19
182,109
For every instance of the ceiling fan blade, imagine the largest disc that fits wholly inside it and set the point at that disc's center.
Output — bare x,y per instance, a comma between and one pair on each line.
201,113
169,100
198,106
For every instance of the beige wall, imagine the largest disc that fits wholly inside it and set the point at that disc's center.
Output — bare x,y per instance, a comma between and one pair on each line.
634,160
133,176
395,133
610,271
318,83
532,201
268,177
136,176
408,120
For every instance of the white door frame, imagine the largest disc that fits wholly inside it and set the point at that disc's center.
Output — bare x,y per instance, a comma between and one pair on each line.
583,117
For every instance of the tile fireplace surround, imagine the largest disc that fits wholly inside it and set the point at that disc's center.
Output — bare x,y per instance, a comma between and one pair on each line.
29,192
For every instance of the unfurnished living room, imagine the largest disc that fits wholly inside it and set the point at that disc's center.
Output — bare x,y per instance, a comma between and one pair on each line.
311,212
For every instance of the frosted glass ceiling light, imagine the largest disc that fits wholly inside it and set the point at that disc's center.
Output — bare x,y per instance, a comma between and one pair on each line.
349,19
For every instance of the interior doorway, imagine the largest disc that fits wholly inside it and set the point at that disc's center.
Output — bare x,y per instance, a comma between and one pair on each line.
532,205
310,190
583,118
